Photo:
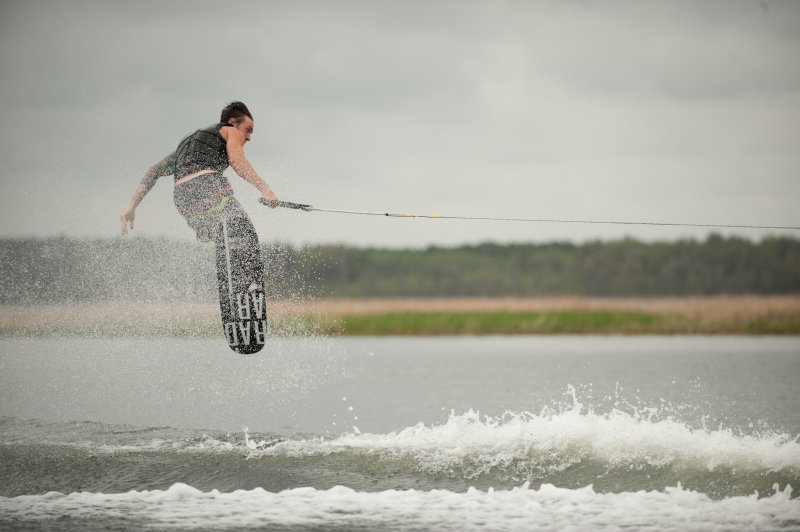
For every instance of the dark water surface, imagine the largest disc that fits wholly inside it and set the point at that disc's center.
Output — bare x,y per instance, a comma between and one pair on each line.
314,433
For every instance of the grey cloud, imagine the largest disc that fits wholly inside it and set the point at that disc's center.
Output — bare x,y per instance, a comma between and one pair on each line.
611,109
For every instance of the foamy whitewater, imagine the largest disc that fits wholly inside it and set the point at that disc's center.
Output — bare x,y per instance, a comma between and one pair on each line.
526,443
587,458
341,508
625,471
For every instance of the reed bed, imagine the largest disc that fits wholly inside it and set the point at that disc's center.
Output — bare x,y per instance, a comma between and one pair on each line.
555,315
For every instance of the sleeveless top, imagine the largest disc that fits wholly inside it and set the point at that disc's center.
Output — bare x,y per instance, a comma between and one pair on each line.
203,149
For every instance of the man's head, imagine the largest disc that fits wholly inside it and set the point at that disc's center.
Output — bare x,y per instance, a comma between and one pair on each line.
238,114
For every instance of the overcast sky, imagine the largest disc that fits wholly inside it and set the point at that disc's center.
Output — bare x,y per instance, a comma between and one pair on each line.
656,111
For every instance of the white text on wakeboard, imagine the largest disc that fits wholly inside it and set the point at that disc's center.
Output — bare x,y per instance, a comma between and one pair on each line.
251,325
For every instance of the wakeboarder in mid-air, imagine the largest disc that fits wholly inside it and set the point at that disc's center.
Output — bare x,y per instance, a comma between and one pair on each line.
203,196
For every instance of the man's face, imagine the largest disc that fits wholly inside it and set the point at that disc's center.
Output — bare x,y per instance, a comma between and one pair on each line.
245,126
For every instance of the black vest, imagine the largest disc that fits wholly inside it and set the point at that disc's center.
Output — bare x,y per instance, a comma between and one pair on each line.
203,149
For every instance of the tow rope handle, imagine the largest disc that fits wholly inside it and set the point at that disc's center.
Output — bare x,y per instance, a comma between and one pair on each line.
285,204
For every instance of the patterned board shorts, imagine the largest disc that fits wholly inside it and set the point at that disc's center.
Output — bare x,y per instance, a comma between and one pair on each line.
206,201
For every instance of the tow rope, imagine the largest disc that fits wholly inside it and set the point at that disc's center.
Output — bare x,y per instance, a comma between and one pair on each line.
309,208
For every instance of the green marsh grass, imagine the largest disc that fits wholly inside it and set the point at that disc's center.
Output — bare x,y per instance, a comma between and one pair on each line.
743,315
504,322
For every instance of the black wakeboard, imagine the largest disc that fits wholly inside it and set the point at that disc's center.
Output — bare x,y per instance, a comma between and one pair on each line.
242,301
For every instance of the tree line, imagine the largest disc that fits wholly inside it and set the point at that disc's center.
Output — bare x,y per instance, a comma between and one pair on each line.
50,270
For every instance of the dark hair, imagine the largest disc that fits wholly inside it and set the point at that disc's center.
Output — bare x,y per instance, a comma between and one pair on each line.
235,110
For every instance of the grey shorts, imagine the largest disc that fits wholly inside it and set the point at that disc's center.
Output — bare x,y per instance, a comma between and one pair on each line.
205,202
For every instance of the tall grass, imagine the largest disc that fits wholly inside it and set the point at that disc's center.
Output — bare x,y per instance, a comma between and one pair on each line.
751,315
503,322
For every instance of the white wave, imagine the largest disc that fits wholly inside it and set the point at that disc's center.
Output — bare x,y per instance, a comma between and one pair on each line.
469,445
552,442
546,508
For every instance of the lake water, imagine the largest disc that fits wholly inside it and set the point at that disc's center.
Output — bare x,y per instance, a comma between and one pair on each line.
445,433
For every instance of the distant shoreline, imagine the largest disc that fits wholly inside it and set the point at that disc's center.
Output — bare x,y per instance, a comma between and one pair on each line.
745,315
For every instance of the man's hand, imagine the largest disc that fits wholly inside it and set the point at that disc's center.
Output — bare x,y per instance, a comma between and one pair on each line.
126,218
270,198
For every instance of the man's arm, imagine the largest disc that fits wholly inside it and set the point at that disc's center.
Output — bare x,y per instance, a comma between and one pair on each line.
165,166
240,165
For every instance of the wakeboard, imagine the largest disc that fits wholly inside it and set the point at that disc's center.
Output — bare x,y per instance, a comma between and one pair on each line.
242,300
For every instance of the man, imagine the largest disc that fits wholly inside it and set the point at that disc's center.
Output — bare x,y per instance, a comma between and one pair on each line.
204,198
202,194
